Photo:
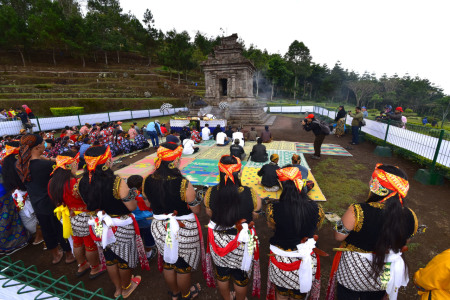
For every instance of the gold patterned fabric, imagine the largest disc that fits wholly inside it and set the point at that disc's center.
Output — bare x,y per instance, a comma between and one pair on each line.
387,184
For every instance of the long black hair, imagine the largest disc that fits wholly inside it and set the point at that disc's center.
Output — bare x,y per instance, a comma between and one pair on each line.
393,234
60,181
11,179
93,193
164,173
227,209
299,207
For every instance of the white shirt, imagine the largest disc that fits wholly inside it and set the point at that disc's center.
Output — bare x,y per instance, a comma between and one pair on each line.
220,138
240,137
206,133
188,146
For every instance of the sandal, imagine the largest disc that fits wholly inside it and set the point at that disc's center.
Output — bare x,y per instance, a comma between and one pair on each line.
193,293
38,242
79,274
95,275
55,262
176,296
130,289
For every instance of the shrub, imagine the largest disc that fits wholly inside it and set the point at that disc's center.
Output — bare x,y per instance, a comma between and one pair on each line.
373,111
408,111
66,111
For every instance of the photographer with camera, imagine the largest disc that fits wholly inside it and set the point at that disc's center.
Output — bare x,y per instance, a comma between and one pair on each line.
356,123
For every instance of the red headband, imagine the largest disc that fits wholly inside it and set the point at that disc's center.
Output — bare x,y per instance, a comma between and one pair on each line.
383,183
65,161
93,161
230,169
164,154
293,174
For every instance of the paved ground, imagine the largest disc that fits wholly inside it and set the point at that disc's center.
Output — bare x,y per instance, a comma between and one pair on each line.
430,203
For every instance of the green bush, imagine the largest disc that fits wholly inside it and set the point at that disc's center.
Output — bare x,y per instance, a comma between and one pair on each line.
373,111
408,111
66,111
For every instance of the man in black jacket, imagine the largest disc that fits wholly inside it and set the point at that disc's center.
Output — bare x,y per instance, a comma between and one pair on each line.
229,132
269,175
311,124
237,150
259,153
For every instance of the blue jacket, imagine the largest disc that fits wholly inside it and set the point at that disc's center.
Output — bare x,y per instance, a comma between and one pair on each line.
152,127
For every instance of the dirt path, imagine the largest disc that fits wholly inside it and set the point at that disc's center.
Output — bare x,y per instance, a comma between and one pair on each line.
430,203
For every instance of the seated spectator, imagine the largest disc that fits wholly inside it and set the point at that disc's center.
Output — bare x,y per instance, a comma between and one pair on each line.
269,176
188,146
85,129
3,115
237,150
84,146
206,133
222,139
127,146
195,136
216,131
172,139
296,162
184,134
252,135
266,135
229,132
132,132
119,126
238,135
164,131
140,141
259,153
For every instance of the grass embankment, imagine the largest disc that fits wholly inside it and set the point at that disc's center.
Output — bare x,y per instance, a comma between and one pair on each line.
338,180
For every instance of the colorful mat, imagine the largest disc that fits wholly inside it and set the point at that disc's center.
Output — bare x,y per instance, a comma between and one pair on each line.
207,143
146,166
202,172
250,178
216,152
327,149
285,159
281,145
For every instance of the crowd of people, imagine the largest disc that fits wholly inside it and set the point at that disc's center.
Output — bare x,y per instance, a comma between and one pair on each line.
116,224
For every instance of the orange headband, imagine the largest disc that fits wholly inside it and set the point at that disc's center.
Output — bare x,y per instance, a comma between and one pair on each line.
293,174
93,161
9,150
230,169
383,182
164,154
65,162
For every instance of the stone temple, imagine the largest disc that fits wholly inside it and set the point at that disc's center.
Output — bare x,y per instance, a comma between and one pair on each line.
229,85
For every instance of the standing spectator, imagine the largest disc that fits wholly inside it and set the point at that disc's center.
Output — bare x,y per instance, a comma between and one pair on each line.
188,146
222,139
259,153
237,150
229,131
206,132
26,124
397,117
153,131
252,135
28,111
238,135
404,121
216,131
132,132
120,126
364,112
340,122
357,118
311,124
269,175
266,135
425,121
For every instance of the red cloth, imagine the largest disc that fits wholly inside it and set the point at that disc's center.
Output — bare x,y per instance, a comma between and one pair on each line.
72,199
285,266
218,250
163,130
141,204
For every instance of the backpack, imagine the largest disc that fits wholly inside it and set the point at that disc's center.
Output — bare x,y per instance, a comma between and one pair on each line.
362,123
325,127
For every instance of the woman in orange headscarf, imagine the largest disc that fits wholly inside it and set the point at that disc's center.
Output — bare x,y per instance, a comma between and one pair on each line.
63,189
374,234
232,208
175,227
294,270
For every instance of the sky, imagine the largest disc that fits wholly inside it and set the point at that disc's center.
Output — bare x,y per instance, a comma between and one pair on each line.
393,37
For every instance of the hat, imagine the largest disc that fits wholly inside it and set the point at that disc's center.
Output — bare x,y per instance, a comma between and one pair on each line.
156,121
364,107
119,122
310,116
274,157
172,139
399,109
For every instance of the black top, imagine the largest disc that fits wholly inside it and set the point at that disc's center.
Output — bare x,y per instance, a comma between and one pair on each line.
111,202
314,126
236,150
23,117
216,131
286,237
369,222
174,197
269,174
341,114
40,171
259,153
247,203
229,133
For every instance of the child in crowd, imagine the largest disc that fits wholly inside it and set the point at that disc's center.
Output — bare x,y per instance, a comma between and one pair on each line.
143,213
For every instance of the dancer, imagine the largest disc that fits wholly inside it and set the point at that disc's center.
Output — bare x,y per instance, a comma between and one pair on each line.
63,189
294,270
175,227
35,172
110,196
232,208
374,234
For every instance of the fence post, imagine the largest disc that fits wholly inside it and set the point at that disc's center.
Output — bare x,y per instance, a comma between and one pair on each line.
38,123
131,112
384,151
79,121
149,115
430,177
109,118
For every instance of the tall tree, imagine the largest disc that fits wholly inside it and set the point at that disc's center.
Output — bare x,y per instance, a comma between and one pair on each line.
363,87
277,72
299,59
260,59
14,33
